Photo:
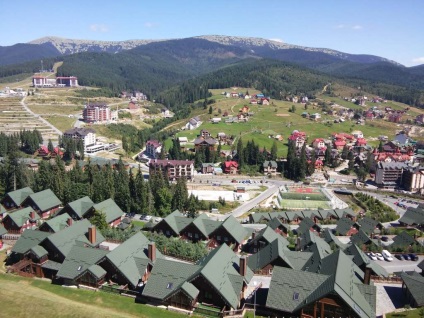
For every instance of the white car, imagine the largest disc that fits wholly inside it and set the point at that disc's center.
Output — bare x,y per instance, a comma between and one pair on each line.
372,256
379,256
387,256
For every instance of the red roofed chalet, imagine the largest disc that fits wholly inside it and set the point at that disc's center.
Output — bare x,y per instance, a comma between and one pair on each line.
231,167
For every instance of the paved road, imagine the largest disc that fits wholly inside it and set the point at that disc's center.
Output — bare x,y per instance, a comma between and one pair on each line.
399,266
39,117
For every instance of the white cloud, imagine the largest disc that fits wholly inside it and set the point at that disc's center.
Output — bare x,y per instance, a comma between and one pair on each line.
352,27
149,25
99,28
418,60
277,40
340,26
357,27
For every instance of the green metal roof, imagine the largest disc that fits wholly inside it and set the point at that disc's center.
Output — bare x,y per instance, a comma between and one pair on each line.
45,199
81,206
269,235
167,277
329,237
291,289
235,229
271,163
190,290
360,238
362,260
344,225
2,209
79,260
19,217
110,209
38,251
275,223
220,269
28,240
205,225
306,225
413,216
368,225
341,213
131,259
97,271
327,213
403,239
57,223
415,285
176,221
52,265
18,196
2,230
65,239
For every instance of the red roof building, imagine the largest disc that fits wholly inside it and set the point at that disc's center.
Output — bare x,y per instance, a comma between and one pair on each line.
231,167
360,142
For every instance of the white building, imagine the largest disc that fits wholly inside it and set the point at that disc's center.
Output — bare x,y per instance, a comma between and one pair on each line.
87,135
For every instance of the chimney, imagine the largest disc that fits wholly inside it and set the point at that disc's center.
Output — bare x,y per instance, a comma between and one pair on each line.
151,252
92,234
367,276
32,215
69,221
243,266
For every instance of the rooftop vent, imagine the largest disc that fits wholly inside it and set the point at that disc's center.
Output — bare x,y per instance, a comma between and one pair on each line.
296,296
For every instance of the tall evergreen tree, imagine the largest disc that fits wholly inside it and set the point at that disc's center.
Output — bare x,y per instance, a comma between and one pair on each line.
274,150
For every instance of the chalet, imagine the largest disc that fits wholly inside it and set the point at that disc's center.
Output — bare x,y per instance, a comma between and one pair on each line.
111,210
166,113
270,167
339,144
279,227
315,116
200,228
45,203
264,101
333,289
172,224
244,110
253,102
173,169
230,167
14,199
20,220
357,134
319,143
183,141
362,239
193,123
81,267
222,137
370,226
361,142
308,225
204,143
57,223
419,119
230,232
413,216
78,209
220,279
216,120
234,94
412,287
204,133
208,168
298,137
346,227
132,105
403,240
131,263
395,117
319,164
264,238
153,149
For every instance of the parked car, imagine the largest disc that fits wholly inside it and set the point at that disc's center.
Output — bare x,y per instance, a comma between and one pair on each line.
372,256
399,257
413,257
379,256
406,257
148,217
387,256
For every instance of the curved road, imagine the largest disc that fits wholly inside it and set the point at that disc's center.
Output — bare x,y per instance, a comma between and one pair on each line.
39,117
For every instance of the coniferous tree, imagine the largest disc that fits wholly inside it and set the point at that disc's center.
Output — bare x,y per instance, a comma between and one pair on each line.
274,150
50,146
179,199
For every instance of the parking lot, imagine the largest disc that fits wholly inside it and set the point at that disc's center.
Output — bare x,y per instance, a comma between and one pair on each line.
398,265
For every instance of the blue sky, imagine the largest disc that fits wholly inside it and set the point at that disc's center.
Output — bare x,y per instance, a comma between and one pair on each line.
392,29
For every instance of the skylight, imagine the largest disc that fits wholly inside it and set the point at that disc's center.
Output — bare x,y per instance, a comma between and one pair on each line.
79,268
296,296
169,286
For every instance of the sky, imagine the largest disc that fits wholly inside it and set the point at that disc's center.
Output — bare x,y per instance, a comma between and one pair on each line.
391,29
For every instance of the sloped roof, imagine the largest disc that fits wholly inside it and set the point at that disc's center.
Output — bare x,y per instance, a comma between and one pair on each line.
38,251
275,223
79,260
362,260
343,212
176,221
57,223
271,163
309,241
81,206
292,289
329,237
28,240
235,229
413,216
269,235
167,277
368,225
360,238
305,225
131,259
311,214
111,210
45,199
403,239
18,196
2,230
19,217
344,225
221,269
415,285
97,271
205,225
327,213
190,290
65,239
421,265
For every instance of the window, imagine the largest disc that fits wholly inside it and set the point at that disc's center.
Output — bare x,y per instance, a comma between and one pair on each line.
218,238
190,234
226,239
196,235
168,233
208,295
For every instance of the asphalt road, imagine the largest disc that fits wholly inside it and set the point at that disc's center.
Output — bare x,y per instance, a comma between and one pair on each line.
399,266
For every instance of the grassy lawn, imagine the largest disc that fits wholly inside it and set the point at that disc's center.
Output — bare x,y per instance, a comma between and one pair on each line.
61,123
414,313
47,300
138,223
304,204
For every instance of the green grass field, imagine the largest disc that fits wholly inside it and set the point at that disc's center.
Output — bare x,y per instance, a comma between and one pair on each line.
414,313
303,196
304,204
23,297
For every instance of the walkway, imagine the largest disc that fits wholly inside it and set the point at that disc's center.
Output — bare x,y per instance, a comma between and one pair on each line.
389,297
